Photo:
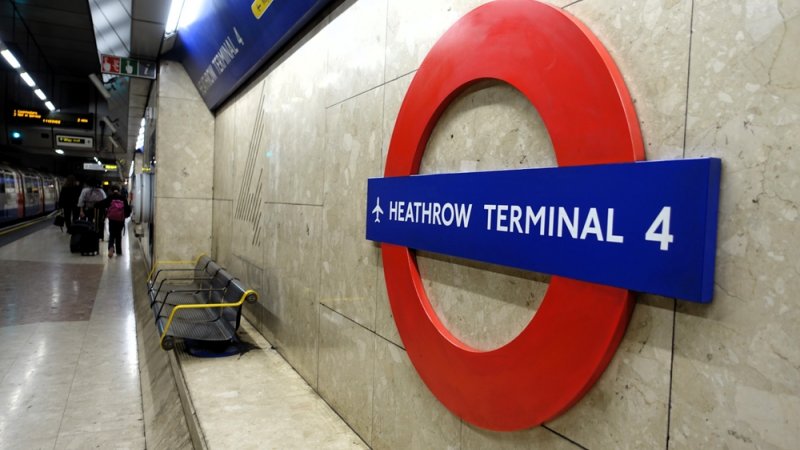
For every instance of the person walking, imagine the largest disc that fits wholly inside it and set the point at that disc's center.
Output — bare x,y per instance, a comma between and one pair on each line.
68,200
87,201
117,210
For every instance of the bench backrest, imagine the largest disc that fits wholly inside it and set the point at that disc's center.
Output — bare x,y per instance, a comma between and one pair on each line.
200,267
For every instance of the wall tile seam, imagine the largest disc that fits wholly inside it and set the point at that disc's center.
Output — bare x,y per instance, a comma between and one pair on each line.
688,80
111,22
671,370
544,425
362,326
370,89
185,99
274,203
183,198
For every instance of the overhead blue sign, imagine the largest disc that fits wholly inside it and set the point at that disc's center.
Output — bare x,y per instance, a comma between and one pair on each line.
231,39
645,226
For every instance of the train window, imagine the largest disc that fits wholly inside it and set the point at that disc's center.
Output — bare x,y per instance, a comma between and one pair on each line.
11,185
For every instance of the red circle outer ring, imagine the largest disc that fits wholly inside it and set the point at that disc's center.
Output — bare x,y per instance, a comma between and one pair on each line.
563,69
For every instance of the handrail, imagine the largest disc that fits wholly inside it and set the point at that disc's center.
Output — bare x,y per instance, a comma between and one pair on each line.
184,291
160,285
241,301
157,263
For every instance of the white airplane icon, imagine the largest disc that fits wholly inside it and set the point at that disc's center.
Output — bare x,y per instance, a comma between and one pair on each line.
377,210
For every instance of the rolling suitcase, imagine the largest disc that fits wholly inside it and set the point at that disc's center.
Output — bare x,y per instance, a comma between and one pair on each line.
84,238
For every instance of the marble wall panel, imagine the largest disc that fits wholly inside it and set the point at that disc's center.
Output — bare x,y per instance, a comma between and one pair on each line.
174,82
355,56
352,154
490,127
177,236
221,232
294,124
649,42
406,414
248,182
224,139
291,284
737,365
347,369
184,149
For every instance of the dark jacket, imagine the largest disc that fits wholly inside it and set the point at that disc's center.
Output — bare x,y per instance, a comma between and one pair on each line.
104,204
69,196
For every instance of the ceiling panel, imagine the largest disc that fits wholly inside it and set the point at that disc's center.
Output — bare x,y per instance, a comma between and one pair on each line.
151,10
146,39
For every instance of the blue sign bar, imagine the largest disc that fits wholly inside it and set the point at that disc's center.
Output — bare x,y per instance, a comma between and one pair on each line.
646,226
231,39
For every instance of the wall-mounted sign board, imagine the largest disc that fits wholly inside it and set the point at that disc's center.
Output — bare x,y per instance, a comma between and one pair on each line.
52,119
63,140
231,39
95,167
129,67
644,226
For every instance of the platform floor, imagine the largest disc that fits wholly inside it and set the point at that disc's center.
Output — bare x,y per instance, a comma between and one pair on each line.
69,367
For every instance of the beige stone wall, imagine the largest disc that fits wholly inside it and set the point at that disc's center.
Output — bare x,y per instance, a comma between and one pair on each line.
184,168
293,151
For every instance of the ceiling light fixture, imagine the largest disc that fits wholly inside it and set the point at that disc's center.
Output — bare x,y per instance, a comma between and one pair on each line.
59,151
175,10
27,78
10,58
14,63
49,106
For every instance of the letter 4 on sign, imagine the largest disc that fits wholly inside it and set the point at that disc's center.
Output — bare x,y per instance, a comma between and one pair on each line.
601,218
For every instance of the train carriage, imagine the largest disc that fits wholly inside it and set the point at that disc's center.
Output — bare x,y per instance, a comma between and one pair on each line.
26,193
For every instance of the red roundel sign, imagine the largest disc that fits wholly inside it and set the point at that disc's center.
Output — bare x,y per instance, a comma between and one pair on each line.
565,72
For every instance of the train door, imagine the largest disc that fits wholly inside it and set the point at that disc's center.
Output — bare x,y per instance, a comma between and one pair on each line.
32,190
49,193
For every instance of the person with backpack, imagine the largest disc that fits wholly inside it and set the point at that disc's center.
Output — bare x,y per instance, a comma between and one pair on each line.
117,210
87,202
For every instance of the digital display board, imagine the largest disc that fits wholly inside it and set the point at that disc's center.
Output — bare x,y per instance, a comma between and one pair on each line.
53,119
74,141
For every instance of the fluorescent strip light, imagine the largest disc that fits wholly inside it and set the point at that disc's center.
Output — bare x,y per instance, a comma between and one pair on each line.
50,106
28,80
189,13
59,151
10,58
174,17
40,94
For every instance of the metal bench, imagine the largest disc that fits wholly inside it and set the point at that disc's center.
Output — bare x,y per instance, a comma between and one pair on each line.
203,303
